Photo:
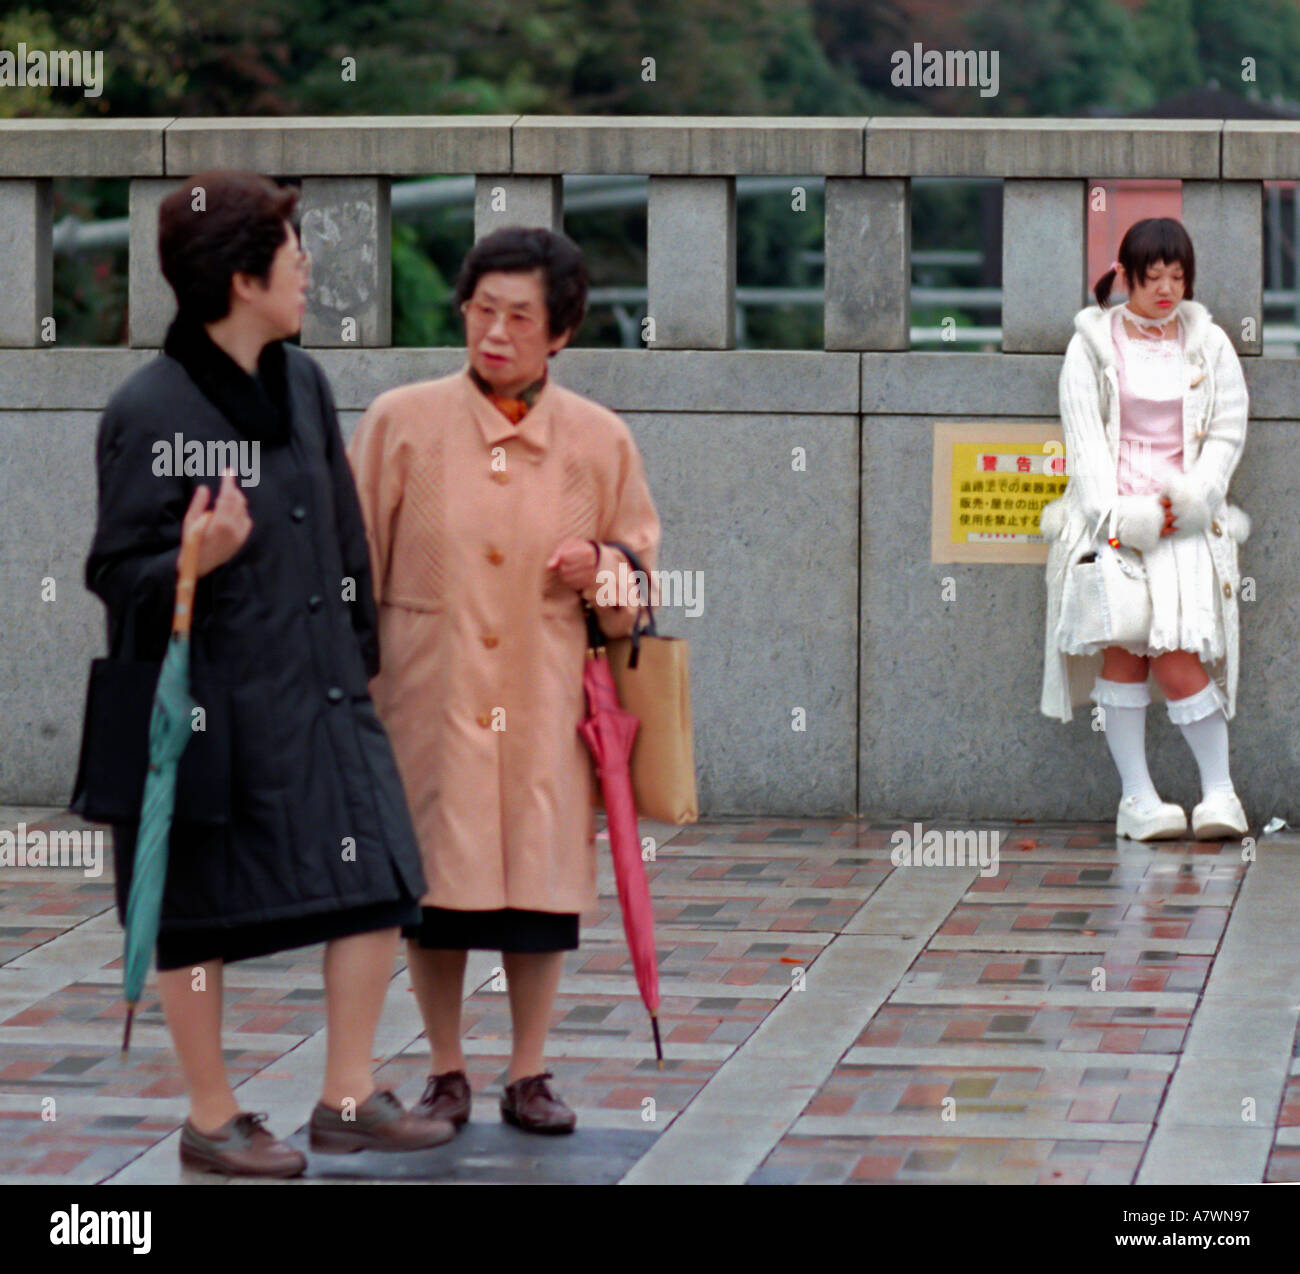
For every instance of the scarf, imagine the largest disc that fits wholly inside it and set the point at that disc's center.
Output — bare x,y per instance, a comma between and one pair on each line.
513,409
257,406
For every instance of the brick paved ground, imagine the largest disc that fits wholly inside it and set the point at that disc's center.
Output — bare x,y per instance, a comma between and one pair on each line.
1096,1011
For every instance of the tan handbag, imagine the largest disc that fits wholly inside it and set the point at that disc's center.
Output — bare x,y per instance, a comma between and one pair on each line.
653,678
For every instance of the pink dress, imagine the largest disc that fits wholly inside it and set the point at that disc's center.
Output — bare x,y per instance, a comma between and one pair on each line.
1185,613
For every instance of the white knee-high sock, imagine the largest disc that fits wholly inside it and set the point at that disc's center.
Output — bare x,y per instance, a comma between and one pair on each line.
1205,727
1125,706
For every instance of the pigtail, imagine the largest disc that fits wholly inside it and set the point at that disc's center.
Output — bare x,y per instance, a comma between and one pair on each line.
1102,288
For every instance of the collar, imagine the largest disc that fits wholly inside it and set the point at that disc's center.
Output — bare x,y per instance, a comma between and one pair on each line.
515,407
1093,324
257,407
1142,323
533,429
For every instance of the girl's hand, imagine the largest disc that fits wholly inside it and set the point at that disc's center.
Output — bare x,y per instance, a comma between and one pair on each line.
1170,525
226,526
575,562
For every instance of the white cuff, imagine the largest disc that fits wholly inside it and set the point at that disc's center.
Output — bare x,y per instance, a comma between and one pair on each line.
1236,523
1139,519
1120,694
1190,502
1204,703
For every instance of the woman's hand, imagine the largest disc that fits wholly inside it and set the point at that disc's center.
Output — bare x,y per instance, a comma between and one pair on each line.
225,527
575,561
1170,526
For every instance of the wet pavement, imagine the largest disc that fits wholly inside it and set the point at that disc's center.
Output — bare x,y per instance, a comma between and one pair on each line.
1088,1011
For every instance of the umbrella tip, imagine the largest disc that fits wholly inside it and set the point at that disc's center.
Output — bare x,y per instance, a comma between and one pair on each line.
126,1032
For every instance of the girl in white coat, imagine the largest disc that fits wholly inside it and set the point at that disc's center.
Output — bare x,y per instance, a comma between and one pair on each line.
1153,404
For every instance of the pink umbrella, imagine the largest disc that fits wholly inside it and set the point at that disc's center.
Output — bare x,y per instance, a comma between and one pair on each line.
609,732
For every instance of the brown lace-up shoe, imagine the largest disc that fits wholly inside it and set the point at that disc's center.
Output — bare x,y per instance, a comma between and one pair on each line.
529,1104
241,1147
446,1096
381,1123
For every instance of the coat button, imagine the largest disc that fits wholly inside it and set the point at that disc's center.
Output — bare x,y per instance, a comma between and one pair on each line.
495,556
1227,590
297,513
484,720
490,640
501,476
315,602
334,694
1216,528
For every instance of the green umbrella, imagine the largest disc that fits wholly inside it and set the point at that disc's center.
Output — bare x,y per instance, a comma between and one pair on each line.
169,732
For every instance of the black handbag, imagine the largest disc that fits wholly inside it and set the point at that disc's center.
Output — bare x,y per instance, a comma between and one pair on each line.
114,760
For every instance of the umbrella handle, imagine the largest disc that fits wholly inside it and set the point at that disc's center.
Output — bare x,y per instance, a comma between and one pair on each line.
187,570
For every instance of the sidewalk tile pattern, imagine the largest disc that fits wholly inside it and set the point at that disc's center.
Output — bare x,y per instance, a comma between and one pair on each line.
992,1065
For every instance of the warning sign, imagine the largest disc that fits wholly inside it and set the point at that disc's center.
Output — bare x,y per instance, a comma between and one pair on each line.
990,483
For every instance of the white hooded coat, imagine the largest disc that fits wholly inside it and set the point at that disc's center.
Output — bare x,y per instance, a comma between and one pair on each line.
1214,431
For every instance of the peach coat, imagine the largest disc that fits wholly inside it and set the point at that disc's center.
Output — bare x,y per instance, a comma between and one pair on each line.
481,648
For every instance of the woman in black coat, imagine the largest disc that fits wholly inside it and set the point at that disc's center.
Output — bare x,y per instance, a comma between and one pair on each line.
295,830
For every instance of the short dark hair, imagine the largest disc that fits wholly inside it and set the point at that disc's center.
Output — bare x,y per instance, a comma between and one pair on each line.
522,249
1146,243
237,227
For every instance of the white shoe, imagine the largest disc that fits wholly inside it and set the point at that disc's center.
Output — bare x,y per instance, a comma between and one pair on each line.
1219,817
1161,822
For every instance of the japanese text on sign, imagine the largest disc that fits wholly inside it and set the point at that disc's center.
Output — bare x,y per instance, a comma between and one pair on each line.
999,490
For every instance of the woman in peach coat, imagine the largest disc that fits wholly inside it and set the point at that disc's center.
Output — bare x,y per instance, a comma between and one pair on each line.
489,498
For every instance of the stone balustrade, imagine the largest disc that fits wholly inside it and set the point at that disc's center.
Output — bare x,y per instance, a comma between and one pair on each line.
347,165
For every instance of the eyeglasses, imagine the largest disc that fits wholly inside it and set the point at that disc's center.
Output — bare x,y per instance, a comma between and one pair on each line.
479,315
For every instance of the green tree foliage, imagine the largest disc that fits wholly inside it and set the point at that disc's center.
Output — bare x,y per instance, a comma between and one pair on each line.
1267,31
1167,29
1058,57
422,313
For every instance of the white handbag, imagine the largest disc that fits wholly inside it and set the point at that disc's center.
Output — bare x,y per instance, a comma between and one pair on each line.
1105,599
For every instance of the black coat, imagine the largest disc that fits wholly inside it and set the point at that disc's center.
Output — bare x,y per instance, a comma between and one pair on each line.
317,815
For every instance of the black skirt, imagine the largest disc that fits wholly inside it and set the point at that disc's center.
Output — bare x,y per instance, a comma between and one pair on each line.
247,942
507,929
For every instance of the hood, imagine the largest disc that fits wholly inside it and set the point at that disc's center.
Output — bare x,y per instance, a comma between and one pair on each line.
1093,324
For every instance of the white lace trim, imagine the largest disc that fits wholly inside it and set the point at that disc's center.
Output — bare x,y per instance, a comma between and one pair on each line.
1151,324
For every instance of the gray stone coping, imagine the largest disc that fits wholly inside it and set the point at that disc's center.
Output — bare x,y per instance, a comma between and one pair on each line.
796,381
64,379
404,145
1261,149
688,145
400,145
766,381
791,382
1087,148
978,384
82,147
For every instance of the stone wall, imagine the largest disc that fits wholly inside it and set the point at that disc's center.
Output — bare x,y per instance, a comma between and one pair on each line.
819,593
